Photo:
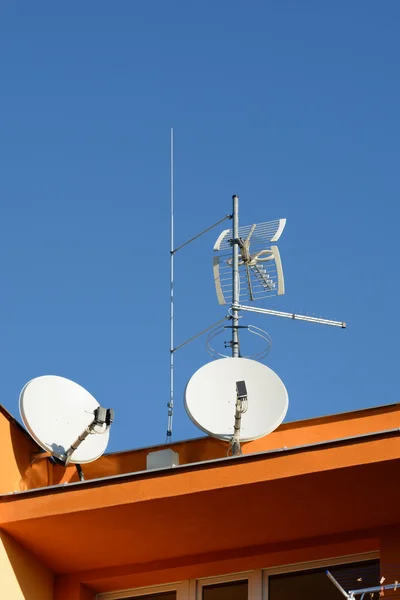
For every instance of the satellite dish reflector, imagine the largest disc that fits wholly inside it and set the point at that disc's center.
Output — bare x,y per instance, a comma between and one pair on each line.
211,394
58,413
260,266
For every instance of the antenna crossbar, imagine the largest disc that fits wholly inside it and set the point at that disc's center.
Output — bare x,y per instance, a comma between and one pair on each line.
279,313
174,251
194,337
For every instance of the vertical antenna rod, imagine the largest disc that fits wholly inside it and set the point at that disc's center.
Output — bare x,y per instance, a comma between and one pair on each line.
171,347
235,277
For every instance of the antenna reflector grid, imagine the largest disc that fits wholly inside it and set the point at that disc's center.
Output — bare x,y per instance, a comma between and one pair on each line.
263,233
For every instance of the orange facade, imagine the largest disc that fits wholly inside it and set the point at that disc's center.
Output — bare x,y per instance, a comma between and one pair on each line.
318,490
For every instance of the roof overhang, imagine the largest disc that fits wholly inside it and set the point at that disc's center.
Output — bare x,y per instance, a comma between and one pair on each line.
212,507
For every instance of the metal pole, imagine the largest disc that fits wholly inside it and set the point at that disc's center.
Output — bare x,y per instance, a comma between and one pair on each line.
235,277
171,347
337,585
240,408
235,443
377,588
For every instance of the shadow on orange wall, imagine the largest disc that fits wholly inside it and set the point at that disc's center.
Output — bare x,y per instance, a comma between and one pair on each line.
23,577
33,473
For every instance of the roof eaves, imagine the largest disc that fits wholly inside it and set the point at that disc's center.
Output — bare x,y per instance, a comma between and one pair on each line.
226,461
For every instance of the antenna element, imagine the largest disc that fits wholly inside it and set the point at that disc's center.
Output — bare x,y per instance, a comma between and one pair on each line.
171,303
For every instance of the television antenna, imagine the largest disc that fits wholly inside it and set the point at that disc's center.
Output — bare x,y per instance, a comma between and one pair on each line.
247,268
65,420
371,592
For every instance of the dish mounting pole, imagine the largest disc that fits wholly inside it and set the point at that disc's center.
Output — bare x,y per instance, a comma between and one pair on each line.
235,277
235,441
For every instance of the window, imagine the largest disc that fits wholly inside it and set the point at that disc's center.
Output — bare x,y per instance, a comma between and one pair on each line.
234,590
315,584
304,581
240,586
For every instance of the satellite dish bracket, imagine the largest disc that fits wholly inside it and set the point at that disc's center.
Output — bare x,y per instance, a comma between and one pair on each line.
103,417
240,408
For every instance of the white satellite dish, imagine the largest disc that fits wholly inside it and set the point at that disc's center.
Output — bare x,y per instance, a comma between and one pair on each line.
212,392
64,419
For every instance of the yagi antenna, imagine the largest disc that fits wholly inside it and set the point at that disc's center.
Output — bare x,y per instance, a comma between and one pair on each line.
247,267
361,593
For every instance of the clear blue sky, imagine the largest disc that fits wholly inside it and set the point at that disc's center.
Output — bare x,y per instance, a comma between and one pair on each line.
294,106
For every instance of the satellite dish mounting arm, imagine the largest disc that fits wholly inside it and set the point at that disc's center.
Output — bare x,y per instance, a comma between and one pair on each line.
103,417
240,408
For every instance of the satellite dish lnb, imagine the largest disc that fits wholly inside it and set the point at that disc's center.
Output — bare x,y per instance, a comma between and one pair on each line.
64,419
220,390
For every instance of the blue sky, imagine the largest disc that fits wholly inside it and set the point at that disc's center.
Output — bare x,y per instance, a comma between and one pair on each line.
294,106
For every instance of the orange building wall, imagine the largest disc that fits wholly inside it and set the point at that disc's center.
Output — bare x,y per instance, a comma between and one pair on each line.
22,576
67,589
18,472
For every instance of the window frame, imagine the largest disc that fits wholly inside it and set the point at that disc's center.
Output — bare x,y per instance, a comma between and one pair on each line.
182,589
254,578
316,564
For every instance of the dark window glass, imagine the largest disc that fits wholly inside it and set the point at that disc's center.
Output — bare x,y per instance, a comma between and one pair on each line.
314,585
234,590
161,596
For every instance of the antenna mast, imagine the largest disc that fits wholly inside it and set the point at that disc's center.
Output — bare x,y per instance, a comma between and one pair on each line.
235,277
172,254
241,396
